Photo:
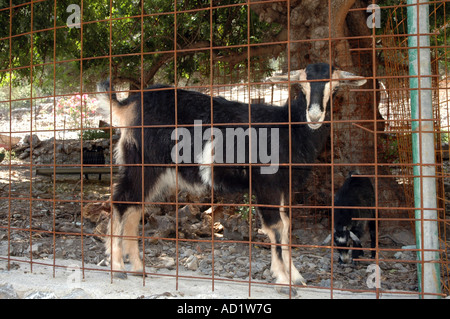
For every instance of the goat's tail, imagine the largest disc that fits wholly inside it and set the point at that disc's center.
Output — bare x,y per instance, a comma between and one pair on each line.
106,99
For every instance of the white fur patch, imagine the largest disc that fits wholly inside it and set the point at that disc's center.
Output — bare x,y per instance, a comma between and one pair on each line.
168,181
314,112
205,159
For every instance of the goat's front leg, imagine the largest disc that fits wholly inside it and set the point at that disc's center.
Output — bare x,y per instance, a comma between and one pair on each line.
283,271
130,240
295,276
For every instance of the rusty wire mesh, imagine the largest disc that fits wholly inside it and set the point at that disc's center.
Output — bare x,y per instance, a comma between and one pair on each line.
398,110
48,216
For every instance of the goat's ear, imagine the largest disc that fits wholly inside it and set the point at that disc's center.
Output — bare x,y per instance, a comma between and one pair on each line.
296,75
327,240
355,238
347,78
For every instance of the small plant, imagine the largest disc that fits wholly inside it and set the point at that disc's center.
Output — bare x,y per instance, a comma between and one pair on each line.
77,109
89,135
388,149
6,155
444,137
244,211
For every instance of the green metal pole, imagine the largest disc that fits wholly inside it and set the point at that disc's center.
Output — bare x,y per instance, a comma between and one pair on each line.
427,236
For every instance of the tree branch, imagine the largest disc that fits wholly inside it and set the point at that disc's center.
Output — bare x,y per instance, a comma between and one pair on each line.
272,50
339,9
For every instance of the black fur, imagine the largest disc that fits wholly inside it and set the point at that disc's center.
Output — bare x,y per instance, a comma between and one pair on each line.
95,156
159,109
355,192
164,107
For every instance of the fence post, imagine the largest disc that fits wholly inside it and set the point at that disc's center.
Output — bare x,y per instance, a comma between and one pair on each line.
427,232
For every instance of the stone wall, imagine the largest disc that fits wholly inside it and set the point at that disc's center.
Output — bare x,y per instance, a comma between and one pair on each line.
51,151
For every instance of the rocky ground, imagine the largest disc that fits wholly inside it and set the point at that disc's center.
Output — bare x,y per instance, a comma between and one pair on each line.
66,218
78,237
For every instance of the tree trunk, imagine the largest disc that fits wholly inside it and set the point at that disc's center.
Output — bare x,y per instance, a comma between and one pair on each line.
313,32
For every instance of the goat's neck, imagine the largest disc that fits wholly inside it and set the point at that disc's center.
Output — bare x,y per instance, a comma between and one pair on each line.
304,137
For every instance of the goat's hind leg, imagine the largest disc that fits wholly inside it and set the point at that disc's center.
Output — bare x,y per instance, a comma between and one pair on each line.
123,240
113,244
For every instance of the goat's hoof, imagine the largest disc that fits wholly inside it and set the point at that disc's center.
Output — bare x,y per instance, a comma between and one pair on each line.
286,291
104,262
300,282
138,273
120,275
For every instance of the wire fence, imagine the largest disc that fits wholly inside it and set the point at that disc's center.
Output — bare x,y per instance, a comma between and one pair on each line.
59,167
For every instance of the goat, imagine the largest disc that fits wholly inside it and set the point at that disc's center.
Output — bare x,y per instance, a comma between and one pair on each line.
167,109
355,192
94,156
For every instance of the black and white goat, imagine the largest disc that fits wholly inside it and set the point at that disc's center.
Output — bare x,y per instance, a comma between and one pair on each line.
355,192
168,112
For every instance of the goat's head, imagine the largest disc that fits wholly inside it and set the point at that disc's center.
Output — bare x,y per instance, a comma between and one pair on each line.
318,86
343,238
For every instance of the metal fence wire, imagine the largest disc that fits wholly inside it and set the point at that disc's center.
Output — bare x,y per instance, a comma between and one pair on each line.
64,150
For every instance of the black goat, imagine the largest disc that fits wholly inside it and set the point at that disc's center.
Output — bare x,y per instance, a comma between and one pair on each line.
94,156
169,114
355,192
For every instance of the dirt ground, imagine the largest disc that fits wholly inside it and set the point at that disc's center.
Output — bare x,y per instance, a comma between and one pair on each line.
53,231
27,234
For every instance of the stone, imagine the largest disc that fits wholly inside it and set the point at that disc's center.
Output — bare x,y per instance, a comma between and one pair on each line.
267,274
399,255
188,252
192,263
7,292
41,295
25,154
167,262
77,293
325,283
28,139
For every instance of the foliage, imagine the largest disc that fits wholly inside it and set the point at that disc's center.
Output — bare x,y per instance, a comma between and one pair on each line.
443,137
154,34
7,155
244,211
94,134
388,149
192,32
77,110
439,19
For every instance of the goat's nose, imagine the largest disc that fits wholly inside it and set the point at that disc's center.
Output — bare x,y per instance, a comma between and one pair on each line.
344,258
314,118
315,113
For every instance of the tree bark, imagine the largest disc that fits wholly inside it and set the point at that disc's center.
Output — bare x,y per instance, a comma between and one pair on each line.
314,30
